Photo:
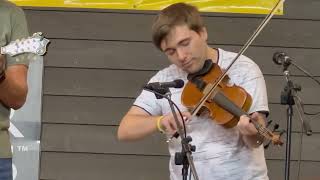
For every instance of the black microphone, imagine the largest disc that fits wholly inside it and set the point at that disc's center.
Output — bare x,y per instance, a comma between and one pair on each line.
178,83
281,58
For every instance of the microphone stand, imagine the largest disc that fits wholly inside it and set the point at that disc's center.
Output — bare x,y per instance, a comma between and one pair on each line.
184,157
287,99
299,107
304,71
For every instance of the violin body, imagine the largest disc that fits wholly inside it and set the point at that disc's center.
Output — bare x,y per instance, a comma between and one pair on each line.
193,93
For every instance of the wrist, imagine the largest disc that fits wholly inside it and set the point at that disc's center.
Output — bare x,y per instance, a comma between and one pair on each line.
253,140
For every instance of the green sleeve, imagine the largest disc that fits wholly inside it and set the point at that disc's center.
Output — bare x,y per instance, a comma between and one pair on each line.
19,30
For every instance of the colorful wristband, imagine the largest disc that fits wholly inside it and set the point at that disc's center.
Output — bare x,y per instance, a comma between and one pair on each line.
159,124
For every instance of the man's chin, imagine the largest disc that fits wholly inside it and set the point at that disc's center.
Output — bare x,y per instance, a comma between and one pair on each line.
190,71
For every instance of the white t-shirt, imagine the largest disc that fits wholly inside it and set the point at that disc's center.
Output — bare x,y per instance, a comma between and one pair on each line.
220,153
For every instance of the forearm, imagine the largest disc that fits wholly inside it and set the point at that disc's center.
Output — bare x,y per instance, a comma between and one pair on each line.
13,91
135,127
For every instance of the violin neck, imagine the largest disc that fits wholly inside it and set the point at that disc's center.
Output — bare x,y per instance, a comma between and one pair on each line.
228,105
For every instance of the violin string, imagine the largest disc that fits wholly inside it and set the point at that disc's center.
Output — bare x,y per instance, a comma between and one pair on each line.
263,131
267,133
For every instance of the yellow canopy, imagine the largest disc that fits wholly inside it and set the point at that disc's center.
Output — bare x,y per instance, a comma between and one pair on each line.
230,6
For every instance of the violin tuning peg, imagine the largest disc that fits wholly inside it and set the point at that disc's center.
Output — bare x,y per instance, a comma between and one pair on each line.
268,123
267,145
275,127
282,132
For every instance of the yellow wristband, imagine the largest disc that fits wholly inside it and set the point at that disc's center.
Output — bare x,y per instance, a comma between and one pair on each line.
159,124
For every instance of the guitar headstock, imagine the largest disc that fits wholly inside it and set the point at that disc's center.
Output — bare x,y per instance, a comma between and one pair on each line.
35,44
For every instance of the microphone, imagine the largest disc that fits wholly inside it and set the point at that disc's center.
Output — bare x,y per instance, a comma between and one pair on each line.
281,58
178,83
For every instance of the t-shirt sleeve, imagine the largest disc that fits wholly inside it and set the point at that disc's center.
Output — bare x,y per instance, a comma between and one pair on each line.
148,101
19,30
254,84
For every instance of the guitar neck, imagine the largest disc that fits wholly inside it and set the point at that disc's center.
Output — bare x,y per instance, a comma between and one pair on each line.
4,51
35,44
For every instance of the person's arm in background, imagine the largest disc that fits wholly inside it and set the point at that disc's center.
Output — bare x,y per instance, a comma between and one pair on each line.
13,87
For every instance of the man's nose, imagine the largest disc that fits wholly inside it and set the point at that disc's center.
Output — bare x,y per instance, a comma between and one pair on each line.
182,55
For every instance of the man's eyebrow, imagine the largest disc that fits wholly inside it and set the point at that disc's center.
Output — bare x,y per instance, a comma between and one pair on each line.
180,42
184,40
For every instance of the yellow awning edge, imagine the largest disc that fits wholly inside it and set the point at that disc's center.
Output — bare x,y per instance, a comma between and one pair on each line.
226,6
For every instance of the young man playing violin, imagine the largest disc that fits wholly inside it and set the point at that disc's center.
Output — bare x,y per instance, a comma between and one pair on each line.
221,153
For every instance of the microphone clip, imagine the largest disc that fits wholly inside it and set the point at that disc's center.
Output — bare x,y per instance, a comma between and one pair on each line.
161,90
286,63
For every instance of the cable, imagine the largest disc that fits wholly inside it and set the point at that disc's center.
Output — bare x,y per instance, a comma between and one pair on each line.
304,111
313,78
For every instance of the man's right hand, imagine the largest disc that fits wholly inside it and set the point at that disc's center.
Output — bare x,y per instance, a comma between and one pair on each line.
169,125
138,123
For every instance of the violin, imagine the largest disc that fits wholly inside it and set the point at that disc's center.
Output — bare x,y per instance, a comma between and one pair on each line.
225,104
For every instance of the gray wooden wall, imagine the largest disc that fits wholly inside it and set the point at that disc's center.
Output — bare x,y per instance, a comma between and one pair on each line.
99,59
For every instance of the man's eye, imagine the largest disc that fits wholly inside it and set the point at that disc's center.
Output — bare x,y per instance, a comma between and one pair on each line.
170,52
185,43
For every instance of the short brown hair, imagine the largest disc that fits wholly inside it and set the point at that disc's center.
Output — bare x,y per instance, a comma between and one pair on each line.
173,15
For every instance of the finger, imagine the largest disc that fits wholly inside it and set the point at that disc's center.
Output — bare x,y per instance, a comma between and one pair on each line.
167,126
244,121
173,125
244,125
255,116
186,113
248,129
186,116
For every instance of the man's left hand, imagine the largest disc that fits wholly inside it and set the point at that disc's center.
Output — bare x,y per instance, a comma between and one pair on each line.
246,127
